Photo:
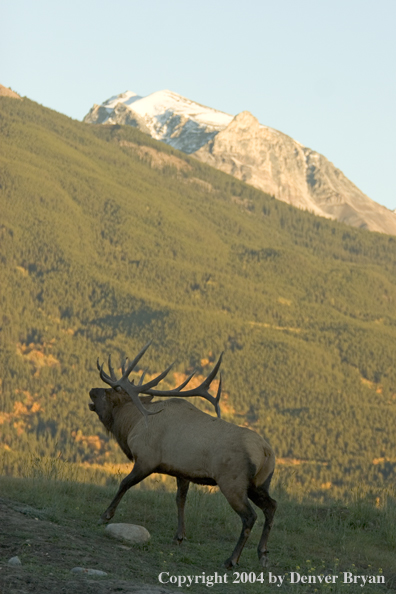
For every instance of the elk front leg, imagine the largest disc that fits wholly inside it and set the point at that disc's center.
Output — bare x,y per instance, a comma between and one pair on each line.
133,478
182,490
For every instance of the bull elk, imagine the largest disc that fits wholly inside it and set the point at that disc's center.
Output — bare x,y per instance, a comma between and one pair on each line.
173,437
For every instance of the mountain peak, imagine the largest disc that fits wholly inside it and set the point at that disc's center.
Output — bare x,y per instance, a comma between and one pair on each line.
246,118
127,98
165,115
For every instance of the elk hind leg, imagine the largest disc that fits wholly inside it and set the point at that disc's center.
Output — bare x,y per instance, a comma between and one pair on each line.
133,478
182,490
239,503
260,496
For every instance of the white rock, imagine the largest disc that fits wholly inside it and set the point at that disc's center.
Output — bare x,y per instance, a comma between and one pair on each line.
87,571
14,561
130,532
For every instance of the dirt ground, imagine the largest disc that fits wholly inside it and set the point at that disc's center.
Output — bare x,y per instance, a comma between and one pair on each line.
48,552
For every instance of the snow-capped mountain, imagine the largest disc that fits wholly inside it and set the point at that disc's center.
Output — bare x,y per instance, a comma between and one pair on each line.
164,115
241,146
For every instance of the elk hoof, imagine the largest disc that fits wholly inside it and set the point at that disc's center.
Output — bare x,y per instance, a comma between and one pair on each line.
263,559
229,563
103,520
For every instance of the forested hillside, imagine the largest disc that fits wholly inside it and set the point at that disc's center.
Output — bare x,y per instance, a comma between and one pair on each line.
109,238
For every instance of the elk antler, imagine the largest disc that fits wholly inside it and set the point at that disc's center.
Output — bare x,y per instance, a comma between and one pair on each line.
201,390
134,390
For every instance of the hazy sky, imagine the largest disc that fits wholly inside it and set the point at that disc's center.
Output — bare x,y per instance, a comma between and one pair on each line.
320,71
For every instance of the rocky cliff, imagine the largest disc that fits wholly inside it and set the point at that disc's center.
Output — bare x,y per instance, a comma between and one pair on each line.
277,164
6,92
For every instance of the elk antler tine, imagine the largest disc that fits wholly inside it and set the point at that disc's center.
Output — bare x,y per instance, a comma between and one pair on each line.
111,370
217,399
124,365
184,384
133,363
218,390
157,379
142,378
104,377
98,364
214,371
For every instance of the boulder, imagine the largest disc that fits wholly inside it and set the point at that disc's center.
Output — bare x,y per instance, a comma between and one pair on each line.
129,532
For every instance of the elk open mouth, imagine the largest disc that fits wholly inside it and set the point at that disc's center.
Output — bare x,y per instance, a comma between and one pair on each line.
91,405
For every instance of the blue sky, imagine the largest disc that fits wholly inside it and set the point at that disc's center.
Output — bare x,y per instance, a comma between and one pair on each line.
320,71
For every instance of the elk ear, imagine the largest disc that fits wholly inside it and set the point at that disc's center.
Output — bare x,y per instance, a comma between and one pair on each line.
115,397
146,399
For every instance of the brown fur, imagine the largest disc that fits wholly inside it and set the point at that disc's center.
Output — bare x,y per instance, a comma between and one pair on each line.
192,446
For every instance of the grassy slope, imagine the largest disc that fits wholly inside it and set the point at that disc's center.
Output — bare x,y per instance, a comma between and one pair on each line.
309,539
103,247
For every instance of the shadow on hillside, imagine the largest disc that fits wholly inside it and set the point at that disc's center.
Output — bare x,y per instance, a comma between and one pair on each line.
131,324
